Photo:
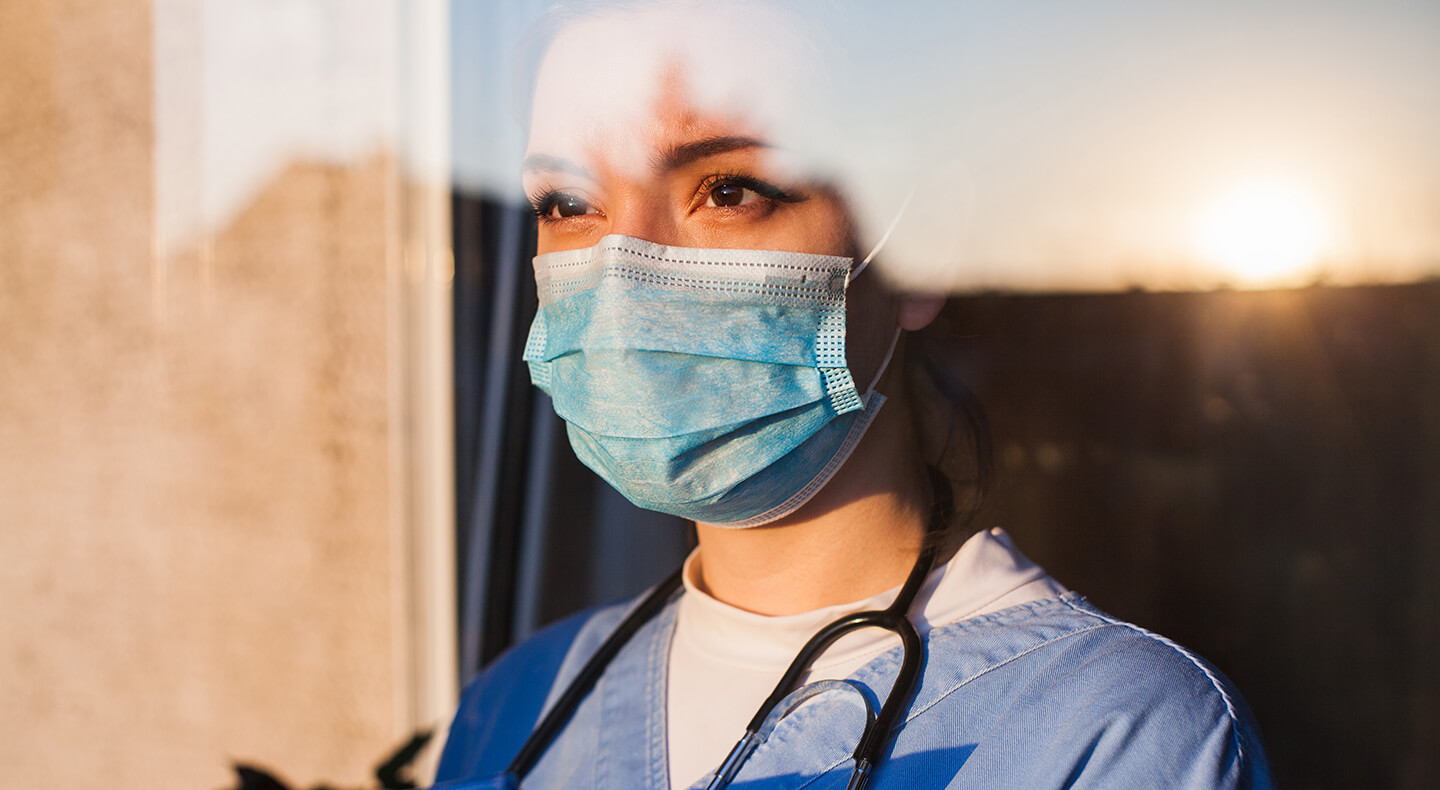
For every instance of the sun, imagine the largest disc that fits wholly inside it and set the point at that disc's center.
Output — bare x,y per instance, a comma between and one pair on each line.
1263,234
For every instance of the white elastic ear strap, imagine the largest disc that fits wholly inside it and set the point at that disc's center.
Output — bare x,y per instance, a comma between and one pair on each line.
884,363
884,237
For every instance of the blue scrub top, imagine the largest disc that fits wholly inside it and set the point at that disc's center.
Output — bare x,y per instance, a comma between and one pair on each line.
1053,693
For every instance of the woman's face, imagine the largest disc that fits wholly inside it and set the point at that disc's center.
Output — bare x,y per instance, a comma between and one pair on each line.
619,144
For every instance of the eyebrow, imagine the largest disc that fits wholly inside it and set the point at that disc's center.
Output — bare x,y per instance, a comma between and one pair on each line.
683,154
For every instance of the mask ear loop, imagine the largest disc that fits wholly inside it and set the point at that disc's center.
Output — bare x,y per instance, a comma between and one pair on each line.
884,237
884,363
895,338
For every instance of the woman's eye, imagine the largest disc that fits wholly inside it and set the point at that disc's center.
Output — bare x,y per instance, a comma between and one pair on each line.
729,195
553,206
570,206
735,191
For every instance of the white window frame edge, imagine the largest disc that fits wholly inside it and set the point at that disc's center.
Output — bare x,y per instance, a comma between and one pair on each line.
420,265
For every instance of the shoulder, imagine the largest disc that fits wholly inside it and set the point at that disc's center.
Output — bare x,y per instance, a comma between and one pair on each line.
1098,702
500,706
1142,668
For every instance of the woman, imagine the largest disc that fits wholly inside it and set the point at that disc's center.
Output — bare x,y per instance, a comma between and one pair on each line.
706,335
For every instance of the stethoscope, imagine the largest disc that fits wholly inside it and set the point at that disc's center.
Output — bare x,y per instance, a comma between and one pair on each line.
878,728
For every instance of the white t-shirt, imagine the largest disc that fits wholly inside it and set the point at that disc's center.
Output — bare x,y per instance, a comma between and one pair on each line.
725,661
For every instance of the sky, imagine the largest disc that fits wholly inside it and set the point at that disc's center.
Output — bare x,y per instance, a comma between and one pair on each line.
1095,144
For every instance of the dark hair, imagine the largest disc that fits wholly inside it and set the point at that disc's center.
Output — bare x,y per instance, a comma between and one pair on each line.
950,425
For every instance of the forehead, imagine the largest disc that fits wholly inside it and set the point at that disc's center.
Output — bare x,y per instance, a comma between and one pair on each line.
616,86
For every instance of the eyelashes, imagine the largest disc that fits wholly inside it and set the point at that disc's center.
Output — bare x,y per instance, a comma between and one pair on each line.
721,191
552,205
719,182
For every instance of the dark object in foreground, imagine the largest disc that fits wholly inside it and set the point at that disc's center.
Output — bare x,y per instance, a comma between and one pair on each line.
392,773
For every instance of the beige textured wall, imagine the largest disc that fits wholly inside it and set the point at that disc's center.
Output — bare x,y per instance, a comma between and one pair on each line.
198,557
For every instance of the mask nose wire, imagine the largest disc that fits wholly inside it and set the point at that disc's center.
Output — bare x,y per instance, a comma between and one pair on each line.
884,237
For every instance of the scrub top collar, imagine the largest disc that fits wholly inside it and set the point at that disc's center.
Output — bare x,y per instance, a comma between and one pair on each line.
984,575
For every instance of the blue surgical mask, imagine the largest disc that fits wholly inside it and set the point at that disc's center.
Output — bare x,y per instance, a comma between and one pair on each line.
709,384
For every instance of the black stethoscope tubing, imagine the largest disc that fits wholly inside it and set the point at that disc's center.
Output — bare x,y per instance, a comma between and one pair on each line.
589,675
877,731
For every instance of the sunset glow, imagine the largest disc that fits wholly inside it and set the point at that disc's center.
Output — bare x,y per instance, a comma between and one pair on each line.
1264,234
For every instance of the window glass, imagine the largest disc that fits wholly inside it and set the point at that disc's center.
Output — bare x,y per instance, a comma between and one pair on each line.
1190,251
